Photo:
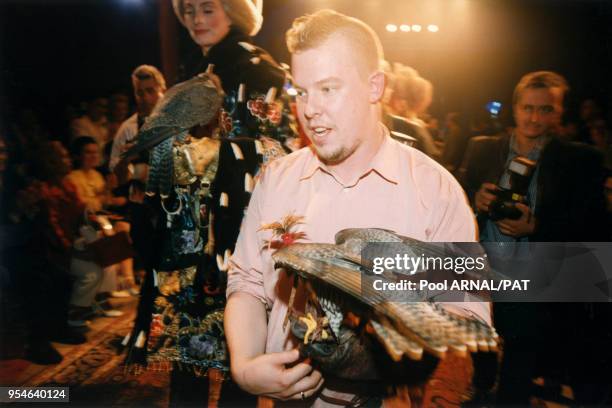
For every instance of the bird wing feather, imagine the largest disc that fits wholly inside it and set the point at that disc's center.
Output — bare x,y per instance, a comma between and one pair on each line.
187,104
414,318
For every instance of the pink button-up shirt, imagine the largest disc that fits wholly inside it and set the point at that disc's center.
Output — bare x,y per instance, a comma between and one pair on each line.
402,190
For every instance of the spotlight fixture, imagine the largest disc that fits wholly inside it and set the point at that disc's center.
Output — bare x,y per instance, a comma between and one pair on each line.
433,28
416,28
391,28
405,28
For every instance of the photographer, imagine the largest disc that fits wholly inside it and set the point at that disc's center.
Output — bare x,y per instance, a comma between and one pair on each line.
530,186
564,200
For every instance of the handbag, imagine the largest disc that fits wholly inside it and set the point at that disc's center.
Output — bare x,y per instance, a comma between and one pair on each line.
106,249
112,249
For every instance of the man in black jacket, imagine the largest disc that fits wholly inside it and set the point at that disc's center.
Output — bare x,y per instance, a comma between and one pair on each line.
564,202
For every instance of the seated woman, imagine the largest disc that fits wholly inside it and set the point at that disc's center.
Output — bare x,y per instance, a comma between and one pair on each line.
89,182
92,190
48,212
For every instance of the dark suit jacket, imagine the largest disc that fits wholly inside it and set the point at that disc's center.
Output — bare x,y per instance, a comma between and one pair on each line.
570,202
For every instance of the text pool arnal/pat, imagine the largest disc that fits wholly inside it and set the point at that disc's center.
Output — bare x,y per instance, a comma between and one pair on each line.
461,285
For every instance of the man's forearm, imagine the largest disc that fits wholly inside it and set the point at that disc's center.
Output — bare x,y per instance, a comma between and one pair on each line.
245,329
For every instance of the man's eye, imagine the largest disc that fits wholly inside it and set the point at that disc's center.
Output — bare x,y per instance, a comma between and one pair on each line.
546,109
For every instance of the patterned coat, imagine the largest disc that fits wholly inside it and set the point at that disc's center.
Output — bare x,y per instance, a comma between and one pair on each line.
180,316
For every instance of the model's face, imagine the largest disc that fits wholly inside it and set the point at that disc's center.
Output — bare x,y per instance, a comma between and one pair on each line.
538,111
206,21
147,92
90,156
333,101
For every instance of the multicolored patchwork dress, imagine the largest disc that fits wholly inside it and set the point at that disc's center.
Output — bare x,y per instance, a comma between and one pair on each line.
193,232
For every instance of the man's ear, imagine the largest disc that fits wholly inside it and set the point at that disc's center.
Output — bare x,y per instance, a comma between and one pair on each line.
377,81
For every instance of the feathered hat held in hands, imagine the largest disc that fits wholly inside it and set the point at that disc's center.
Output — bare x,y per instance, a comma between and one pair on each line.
244,14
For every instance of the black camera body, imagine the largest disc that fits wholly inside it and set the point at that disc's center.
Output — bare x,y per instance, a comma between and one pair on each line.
520,170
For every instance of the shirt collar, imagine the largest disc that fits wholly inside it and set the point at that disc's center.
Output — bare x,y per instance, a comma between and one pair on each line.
384,163
534,153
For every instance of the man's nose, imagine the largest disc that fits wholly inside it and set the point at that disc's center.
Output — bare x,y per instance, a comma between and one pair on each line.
534,116
312,107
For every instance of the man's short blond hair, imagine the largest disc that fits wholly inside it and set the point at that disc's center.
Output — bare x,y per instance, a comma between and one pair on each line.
144,72
311,30
540,80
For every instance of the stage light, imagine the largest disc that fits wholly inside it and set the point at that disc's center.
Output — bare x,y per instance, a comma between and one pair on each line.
405,28
292,91
391,28
433,28
416,28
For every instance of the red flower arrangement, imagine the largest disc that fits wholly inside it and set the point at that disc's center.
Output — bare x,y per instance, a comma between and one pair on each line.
283,231
265,111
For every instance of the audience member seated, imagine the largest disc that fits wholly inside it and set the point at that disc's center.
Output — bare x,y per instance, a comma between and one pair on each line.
93,123
90,184
92,284
94,192
118,111
50,211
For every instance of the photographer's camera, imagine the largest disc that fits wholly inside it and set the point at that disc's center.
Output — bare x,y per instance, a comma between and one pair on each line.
512,190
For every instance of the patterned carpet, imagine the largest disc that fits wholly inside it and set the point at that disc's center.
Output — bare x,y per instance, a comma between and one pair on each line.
96,378
93,370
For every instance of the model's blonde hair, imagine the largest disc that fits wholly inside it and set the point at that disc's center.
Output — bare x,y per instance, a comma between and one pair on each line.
143,72
244,14
312,30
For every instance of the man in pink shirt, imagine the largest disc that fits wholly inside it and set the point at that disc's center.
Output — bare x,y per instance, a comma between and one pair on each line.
353,175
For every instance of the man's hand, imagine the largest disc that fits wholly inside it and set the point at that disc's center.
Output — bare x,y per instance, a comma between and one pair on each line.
269,376
518,228
484,196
